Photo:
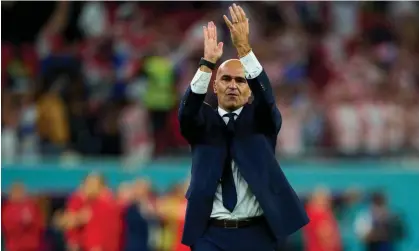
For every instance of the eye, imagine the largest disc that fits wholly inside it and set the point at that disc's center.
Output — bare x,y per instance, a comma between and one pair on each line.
226,78
241,80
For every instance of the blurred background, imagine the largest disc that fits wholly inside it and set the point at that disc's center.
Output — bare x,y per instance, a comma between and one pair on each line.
89,98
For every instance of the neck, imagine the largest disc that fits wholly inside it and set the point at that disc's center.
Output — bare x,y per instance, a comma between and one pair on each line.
230,109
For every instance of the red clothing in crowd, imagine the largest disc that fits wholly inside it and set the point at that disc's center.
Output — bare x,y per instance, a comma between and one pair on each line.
76,202
22,225
322,233
104,227
179,245
122,204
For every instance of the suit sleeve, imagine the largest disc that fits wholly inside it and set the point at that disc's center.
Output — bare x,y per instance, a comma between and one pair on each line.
268,116
190,114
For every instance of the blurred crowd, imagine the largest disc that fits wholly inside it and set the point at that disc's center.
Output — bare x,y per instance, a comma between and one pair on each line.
94,218
105,78
134,218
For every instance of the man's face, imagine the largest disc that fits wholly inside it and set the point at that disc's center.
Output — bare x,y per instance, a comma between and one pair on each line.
93,185
141,188
125,192
231,86
17,192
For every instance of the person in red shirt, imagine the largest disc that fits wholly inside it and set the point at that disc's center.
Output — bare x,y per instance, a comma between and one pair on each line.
322,233
90,211
102,228
75,203
22,221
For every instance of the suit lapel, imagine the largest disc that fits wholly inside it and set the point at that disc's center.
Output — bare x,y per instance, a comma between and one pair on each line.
219,119
243,114
243,122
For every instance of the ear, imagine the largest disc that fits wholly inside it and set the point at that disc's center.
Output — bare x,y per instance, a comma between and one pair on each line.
215,87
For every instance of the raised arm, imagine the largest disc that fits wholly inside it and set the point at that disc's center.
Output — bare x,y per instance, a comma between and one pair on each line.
190,115
268,116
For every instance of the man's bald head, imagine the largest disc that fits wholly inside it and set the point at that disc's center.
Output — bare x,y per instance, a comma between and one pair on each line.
231,86
229,66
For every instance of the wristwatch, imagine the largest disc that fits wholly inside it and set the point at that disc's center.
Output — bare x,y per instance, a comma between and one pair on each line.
206,63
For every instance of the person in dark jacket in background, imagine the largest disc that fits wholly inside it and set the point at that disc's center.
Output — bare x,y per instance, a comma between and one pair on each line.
136,218
378,227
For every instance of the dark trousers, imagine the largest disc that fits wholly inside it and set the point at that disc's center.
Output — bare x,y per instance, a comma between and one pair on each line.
253,238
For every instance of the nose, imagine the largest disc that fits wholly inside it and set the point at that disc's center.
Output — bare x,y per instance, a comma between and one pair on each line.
232,84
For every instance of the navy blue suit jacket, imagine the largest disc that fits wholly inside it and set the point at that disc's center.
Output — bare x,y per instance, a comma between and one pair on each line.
253,150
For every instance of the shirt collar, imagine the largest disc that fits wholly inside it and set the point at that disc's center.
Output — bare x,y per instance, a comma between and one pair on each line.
223,112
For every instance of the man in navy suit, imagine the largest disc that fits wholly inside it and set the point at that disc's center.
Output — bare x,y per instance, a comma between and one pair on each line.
238,197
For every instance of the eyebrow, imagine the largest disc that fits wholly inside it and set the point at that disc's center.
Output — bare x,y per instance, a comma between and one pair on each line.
235,77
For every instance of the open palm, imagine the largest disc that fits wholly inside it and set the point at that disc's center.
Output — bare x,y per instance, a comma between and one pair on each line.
212,49
239,25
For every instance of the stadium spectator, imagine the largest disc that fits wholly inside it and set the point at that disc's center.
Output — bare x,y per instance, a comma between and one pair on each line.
345,60
181,219
378,227
160,93
171,210
322,233
86,210
102,217
137,216
137,142
68,220
22,221
9,133
52,120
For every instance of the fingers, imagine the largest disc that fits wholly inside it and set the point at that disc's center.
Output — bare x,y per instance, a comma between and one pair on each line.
215,32
209,30
212,33
237,15
205,33
229,24
233,15
220,46
241,13
237,11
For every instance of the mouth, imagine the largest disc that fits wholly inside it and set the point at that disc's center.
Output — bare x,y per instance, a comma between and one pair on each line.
232,94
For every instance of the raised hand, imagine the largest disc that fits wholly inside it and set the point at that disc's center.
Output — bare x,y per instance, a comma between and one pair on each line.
212,50
239,29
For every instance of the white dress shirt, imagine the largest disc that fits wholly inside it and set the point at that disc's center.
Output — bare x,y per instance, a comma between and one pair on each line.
247,205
